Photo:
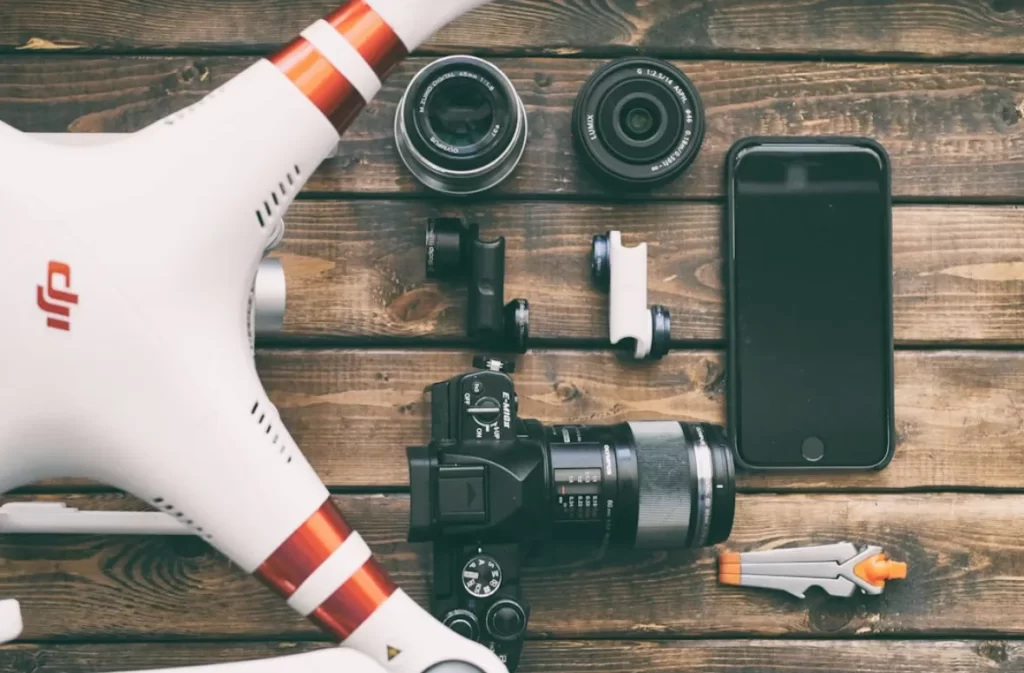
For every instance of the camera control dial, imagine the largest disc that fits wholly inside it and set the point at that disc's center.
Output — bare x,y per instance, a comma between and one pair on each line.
464,623
506,620
481,576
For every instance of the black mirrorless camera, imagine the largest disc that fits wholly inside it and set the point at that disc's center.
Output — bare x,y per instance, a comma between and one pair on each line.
489,483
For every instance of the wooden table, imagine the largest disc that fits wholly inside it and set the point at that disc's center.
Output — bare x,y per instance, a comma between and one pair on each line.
939,82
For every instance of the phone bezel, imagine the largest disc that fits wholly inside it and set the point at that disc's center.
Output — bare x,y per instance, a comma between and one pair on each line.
735,154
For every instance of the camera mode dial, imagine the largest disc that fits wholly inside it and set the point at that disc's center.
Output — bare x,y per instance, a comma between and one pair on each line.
481,576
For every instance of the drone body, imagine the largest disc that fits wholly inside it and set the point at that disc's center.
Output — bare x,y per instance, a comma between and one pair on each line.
125,303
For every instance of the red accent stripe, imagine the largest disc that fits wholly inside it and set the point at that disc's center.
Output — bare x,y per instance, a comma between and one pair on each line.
354,601
319,81
371,36
305,550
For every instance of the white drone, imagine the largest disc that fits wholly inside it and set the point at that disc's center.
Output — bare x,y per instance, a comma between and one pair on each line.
126,357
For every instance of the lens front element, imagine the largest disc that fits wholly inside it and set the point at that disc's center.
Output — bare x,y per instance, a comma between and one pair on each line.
460,127
638,122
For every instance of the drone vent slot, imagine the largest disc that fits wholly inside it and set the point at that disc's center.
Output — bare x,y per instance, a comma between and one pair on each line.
265,215
171,510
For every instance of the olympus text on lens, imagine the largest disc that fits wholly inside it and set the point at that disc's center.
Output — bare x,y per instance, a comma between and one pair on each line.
461,127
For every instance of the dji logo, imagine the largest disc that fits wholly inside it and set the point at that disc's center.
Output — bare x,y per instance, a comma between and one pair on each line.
56,303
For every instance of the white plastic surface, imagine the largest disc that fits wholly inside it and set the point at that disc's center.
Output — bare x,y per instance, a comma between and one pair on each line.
10,621
55,518
85,139
628,314
332,660
402,626
145,249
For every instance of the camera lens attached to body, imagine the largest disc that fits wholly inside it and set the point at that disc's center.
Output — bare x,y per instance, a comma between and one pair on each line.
489,483
461,127
638,122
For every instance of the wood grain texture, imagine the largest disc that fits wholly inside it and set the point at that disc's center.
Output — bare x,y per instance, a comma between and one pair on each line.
716,656
931,28
963,551
356,270
953,131
959,414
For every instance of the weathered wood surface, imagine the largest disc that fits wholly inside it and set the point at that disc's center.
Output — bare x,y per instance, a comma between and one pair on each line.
714,656
963,550
356,269
959,414
931,28
953,131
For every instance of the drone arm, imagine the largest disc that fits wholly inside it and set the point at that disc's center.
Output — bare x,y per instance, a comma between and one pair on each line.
323,661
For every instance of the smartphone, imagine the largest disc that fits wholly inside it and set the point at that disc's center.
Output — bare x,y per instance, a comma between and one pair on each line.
809,241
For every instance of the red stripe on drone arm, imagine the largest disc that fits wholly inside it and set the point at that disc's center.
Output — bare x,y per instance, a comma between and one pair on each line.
320,82
374,39
305,550
354,601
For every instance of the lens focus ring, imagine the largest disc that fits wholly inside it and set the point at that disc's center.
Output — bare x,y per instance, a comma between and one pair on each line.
663,464
686,484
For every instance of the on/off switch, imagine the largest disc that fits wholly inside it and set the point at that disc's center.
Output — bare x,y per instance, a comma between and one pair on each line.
485,411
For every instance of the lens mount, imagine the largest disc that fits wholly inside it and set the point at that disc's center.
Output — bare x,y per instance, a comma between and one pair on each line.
461,127
638,122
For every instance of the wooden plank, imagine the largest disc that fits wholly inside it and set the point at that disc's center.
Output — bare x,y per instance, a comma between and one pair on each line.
716,656
932,28
954,131
958,413
963,552
356,269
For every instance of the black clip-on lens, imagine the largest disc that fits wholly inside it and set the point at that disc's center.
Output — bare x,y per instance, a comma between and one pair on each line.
455,251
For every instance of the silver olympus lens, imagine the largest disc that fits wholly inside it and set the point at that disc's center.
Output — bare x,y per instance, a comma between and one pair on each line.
461,127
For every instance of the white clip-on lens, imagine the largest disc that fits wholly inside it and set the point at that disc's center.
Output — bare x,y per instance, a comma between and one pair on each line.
622,273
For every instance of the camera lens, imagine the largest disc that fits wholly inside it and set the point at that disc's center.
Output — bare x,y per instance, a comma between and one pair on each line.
638,122
653,484
461,127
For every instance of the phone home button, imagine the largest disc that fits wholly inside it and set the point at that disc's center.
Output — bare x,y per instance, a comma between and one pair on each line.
813,449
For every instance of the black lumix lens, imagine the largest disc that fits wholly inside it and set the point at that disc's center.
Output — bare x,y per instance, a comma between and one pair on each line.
652,484
461,127
638,122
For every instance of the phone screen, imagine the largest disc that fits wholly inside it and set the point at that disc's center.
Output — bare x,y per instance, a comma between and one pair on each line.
810,306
